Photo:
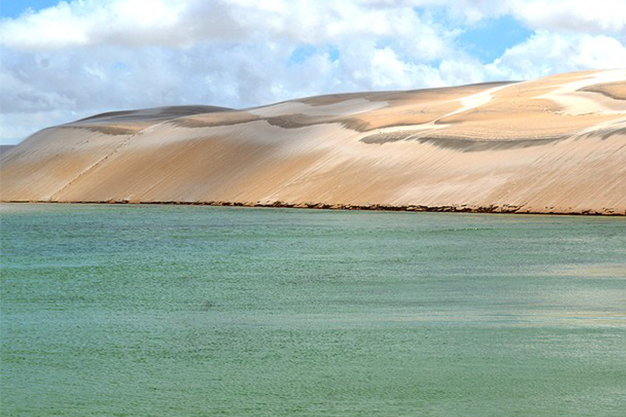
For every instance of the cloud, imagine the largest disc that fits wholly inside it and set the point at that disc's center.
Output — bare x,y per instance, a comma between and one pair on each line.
575,16
91,23
547,53
180,23
87,56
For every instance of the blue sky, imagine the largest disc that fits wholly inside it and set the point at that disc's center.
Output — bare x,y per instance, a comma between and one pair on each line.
63,61
490,38
14,8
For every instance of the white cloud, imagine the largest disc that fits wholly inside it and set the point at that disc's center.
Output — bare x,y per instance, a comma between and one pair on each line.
581,16
172,23
88,56
92,22
547,53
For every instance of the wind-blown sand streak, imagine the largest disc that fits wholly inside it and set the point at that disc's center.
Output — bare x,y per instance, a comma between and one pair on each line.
551,145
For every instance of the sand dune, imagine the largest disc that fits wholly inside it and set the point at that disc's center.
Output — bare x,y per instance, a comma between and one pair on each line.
5,148
551,145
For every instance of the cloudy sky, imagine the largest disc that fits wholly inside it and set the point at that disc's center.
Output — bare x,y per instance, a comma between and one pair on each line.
60,61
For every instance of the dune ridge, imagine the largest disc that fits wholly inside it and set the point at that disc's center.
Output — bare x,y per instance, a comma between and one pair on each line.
551,145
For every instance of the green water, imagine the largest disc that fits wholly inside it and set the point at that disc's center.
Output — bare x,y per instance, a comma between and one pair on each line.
198,311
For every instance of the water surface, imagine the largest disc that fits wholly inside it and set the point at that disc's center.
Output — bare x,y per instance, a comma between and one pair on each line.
195,311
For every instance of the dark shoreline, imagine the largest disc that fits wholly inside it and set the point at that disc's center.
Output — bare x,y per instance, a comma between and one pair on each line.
325,206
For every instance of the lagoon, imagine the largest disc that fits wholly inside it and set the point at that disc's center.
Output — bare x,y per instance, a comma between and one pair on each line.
149,310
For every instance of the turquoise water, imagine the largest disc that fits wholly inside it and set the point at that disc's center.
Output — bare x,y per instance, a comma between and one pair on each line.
197,311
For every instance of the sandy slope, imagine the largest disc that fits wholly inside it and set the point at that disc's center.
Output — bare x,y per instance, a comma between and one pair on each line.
552,145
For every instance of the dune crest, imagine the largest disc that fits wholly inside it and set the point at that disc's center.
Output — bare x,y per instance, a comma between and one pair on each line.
552,145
